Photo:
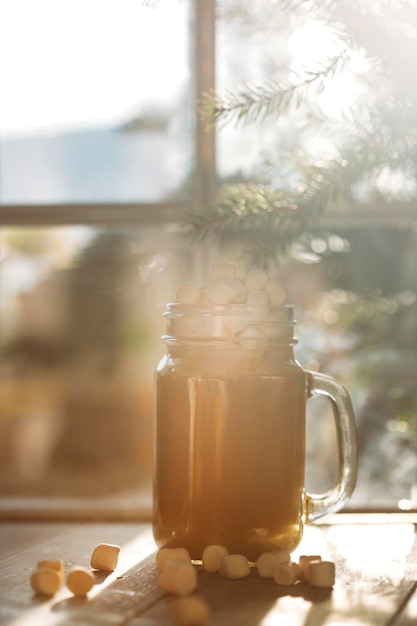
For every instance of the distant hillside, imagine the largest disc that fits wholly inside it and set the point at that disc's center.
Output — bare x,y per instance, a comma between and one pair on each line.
100,165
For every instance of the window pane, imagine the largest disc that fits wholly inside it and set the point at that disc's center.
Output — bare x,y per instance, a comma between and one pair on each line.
263,33
80,327
97,101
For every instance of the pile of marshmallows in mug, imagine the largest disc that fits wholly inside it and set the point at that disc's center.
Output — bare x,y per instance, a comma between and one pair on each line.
179,576
251,300
257,289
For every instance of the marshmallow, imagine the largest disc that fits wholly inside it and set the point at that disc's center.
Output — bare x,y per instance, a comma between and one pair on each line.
46,581
322,574
304,563
178,577
57,565
257,306
266,561
167,554
105,557
256,279
286,573
257,314
188,293
189,611
235,566
223,270
212,557
241,291
222,291
276,293
258,298
232,325
80,581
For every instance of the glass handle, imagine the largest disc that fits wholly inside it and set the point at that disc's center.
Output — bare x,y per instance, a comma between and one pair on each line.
333,500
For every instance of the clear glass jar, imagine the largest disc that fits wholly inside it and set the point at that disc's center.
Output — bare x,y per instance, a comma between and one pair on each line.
230,433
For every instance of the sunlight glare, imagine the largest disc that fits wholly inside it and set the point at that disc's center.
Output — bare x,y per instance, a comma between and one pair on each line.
312,40
291,608
48,611
66,65
311,45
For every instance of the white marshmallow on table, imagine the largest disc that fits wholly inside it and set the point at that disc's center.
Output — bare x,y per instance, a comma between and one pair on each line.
223,270
46,581
80,580
56,565
304,562
178,577
235,566
222,291
266,561
286,573
171,554
322,574
212,557
189,293
105,557
256,279
277,294
189,611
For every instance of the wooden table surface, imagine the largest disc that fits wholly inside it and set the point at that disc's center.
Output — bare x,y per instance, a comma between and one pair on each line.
376,577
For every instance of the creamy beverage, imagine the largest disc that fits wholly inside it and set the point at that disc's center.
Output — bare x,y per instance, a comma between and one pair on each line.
230,466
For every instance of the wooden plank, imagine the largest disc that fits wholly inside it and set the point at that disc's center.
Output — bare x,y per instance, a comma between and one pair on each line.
373,581
254,601
407,614
73,543
127,595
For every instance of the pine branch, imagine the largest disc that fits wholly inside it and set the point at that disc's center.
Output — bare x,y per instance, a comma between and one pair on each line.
379,134
265,220
254,102
269,221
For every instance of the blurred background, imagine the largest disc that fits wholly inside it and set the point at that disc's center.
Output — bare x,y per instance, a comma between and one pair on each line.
110,174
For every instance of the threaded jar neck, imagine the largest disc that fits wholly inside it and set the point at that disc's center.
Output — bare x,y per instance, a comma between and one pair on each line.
209,324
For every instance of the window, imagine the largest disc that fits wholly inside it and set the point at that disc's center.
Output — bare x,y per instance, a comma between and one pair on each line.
103,154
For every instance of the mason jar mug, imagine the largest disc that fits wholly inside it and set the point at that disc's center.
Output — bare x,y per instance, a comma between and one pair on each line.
231,433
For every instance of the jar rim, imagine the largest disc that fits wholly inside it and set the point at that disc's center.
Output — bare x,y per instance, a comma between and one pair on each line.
232,322
280,314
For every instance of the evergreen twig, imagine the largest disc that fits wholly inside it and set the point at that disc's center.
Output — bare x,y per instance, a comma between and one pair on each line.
250,103
380,136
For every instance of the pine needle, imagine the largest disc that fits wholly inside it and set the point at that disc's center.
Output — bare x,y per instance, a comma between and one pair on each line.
253,103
